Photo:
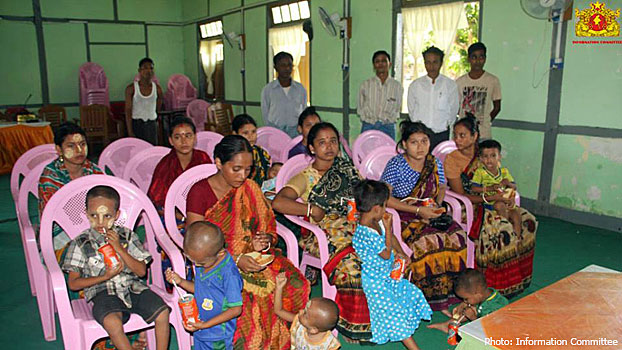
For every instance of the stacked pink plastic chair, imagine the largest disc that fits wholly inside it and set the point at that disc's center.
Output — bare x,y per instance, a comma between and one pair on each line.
197,111
367,142
117,154
180,92
93,85
67,209
207,141
139,170
273,141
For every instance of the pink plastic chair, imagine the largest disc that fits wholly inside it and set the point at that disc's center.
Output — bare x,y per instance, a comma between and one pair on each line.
117,154
375,161
285,151
207,141
37,273
27,161
197,111
367,142
178,194
67,209
274,141
93,85
141,166
345,145
179,92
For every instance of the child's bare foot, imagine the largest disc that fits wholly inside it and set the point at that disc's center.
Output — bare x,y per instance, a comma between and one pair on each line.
440,326
350,340
446,313
141,342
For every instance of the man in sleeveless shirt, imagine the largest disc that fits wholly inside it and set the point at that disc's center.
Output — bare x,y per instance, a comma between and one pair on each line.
143,98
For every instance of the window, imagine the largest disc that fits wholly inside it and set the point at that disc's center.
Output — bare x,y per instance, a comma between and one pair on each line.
212,59
451,27
292,12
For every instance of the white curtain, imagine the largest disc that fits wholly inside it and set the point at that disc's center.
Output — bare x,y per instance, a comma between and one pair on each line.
290,39
211,52
416,23
445,19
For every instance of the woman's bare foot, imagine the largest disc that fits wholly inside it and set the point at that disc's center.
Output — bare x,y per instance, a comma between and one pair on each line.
440,326
446,313
350,340
141,342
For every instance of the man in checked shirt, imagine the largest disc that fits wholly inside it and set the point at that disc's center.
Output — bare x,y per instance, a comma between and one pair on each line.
116,291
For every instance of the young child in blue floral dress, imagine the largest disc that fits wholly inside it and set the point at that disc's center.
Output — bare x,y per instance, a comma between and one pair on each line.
395,306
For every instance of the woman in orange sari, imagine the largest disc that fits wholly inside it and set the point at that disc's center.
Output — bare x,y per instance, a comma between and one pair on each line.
236,204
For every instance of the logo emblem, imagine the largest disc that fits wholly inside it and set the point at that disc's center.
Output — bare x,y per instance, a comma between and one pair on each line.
208,304
598,20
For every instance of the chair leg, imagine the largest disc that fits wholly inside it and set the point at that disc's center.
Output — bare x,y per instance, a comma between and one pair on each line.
45,302
31,279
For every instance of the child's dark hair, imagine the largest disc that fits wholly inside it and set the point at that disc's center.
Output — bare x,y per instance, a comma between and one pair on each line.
309,111
281,55
435,51
476,47
181,120
408,128
66,129
316,129
471,281
240,120
469,122
197,238
231,145
488,144
144,60
378,53
330,314
369,193
276,164
104,192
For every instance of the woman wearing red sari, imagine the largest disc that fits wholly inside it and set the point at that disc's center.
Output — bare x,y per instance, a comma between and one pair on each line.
505,257
236,204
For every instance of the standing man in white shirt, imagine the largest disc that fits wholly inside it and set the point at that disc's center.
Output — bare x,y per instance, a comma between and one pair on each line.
433,98
143,98
380,97
283,99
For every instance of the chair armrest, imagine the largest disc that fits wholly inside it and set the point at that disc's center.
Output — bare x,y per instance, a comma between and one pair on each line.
456,210
290,242
397,231
468,206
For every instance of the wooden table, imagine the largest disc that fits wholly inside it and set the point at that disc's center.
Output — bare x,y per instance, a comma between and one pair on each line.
17,138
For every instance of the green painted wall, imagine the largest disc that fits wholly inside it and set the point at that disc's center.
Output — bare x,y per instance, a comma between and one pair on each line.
166,48
150,11
233,59
192,9
83,9
63,68
256,57
16,7
326,58
20,63
191,53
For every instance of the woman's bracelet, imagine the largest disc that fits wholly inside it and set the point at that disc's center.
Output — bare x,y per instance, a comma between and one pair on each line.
417,212
308,209
238,258
484,198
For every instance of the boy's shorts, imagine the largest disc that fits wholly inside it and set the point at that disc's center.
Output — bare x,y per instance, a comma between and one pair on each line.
147,305
213,345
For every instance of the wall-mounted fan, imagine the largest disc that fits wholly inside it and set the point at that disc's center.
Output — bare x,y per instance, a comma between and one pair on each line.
230,37
333,22
543,9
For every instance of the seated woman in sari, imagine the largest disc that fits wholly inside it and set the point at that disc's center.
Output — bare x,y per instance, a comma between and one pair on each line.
245,126
235,203
505,257
325,186
439,255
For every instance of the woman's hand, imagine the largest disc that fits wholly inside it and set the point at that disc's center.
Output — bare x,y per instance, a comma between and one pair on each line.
427,213
248,264
261,241
317,213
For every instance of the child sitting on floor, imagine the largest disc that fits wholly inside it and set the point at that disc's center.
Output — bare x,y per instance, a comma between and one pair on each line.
496,184
217,287
395,306
477,299
269,186
312,327
116,291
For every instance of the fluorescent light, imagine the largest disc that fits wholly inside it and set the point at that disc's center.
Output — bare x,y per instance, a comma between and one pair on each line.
276,15
304,9
285,13
293,9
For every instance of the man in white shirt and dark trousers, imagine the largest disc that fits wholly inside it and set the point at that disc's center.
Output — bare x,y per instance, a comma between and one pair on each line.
380,97
143,99
283,99
433,98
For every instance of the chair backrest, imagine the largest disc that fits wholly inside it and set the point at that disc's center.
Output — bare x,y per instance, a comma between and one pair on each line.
154,78
274,141
54,114
141,166
94,121
293,142
219,118
117,154
93,85
374,163
367,142
207,141
42,154
197,111
290,168
30,185
177,195
67,209
180,91
443,149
